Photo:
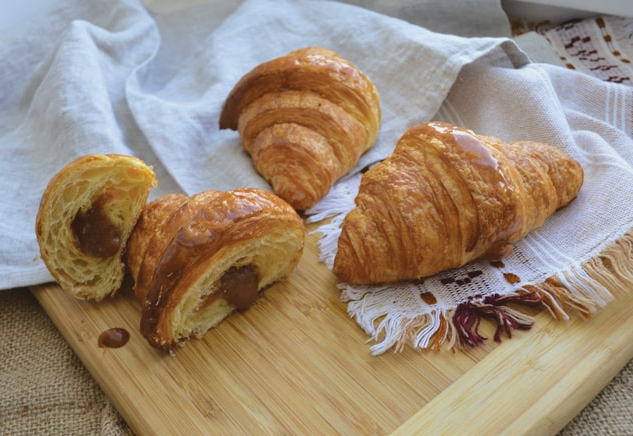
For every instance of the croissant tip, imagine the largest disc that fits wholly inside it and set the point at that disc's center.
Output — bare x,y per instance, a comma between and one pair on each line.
223,124
159,343
228,116
340,273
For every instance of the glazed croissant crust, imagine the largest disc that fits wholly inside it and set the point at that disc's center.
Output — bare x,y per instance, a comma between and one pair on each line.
196,259
305,119
447,196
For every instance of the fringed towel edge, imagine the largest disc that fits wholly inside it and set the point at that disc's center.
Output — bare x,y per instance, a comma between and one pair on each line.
581,289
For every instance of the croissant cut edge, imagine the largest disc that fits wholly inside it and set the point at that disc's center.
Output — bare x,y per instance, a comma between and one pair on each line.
86,215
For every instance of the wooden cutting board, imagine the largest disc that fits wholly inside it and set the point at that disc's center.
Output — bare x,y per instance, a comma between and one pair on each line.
296,363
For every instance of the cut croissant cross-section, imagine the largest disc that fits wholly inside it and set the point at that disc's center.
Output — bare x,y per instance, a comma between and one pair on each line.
447,196
196,259
85,217
305,119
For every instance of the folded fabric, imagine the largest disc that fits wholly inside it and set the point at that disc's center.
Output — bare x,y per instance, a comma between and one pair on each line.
96,78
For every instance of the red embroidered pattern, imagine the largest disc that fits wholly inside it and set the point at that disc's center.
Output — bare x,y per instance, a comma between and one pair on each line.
590,46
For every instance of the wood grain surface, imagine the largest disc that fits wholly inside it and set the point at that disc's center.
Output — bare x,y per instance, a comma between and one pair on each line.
296,363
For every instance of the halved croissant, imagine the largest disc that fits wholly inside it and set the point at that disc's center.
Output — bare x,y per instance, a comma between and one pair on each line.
85,218
305,119
196,259
447,196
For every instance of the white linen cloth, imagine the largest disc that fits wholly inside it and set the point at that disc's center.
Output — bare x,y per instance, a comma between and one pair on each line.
108,77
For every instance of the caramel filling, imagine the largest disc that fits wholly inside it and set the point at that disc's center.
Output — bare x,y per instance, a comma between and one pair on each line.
238,286
95,233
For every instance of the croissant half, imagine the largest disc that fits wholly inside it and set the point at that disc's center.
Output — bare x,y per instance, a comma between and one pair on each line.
305,119
447,196
85,217
196,259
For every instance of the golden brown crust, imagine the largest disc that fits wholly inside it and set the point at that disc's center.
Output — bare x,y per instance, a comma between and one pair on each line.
116,183
192,237
447,196
147,227
308,112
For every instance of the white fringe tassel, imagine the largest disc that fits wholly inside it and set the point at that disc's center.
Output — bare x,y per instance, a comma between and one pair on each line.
337,204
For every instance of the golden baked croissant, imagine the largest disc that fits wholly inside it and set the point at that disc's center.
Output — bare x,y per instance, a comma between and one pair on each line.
196,259
85,217
447,196
305,119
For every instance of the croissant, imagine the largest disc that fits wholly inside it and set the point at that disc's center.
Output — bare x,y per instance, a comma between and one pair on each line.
196,259
305,119
447,196
85,217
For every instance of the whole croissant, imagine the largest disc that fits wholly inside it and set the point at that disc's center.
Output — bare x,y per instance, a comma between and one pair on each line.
85,218
305,119
447,196
196,259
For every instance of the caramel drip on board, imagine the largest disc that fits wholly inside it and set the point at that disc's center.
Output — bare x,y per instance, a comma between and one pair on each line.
113,338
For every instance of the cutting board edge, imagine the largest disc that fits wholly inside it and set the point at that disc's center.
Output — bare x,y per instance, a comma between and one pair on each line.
551,413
